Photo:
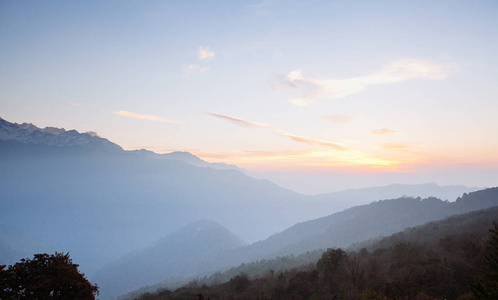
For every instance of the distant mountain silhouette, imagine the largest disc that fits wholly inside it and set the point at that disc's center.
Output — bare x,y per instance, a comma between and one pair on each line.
185,157
348,198
188,250
367,221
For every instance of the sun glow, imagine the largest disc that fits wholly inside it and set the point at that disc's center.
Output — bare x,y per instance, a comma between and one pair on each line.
258,160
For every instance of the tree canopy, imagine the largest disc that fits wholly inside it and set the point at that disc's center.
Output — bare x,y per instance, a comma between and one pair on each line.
45,276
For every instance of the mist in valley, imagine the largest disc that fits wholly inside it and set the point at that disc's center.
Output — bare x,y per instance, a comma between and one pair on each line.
248,150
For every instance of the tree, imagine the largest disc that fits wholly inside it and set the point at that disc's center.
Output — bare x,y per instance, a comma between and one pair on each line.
353,264
330,260
240,282
487,286
45,277
330,265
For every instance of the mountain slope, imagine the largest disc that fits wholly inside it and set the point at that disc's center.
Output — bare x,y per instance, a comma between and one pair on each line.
347,227
348,198
473,222
363,222
454,234
188,250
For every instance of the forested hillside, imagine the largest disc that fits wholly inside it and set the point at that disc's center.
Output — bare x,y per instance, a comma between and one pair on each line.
439,260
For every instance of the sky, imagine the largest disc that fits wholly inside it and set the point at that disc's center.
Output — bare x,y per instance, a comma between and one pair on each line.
316,95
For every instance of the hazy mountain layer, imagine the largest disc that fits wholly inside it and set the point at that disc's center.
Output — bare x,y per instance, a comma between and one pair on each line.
433,261
452,233
80,199
348,198
338,230
363,222
187,251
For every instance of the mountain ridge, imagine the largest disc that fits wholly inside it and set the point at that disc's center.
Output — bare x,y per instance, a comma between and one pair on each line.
184,251
28,133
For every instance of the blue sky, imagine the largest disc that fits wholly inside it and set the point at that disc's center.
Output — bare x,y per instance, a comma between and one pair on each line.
399,90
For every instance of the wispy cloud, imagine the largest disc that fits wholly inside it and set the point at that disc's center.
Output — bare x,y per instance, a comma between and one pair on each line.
238,121
135,115
205,53
339,119
312,142
296,138
398,71
193,68
383,131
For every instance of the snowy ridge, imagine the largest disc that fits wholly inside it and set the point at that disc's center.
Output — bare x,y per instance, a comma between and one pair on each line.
28,133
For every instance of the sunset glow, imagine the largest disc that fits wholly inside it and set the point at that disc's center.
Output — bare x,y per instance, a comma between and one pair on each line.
305,86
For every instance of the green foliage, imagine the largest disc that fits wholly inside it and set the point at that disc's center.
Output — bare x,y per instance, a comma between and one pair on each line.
45,277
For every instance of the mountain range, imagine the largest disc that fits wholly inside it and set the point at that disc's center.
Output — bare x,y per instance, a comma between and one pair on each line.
81,193
456,240
341,229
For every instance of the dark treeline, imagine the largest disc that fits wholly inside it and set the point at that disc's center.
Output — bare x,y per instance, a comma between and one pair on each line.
440,260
